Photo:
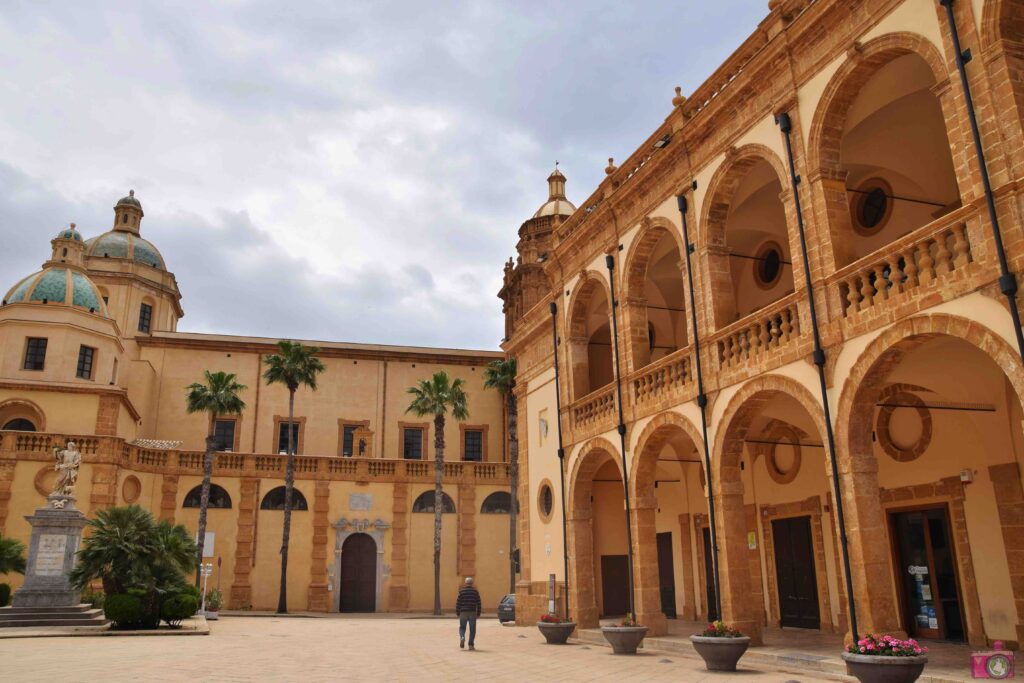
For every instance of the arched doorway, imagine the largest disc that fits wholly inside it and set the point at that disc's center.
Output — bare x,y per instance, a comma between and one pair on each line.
358,574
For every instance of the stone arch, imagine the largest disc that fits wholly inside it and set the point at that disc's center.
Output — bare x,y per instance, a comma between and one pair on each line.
22,409
1002,20
735,574
727,297
635,294
861,488
651,440
722,187
826,130
582,584
590,285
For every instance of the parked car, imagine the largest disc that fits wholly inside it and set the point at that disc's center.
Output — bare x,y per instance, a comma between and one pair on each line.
507,608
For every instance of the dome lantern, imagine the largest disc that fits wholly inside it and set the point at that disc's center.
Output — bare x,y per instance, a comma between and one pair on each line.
68,247
128,214
557,204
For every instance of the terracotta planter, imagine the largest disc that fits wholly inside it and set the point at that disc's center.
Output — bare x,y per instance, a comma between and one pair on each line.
720,654
556,634
875,669
624,639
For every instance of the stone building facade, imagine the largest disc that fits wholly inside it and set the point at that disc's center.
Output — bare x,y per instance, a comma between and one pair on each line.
922,373
89,352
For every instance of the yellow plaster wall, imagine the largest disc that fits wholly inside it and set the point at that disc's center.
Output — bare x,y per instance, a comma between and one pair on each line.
266,574
545,536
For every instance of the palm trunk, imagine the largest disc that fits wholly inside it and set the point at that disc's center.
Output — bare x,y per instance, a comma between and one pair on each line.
438,506
204,499
289,485
513,476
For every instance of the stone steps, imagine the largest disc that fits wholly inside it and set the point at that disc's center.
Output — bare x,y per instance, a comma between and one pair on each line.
78,615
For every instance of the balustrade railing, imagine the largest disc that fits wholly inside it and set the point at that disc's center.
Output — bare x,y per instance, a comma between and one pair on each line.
912,262
763,331
594,407
666,376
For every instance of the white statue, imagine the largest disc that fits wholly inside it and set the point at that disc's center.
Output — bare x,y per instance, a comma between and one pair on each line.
66,466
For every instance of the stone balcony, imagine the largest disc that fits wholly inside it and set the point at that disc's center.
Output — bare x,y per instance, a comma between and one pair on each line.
114,451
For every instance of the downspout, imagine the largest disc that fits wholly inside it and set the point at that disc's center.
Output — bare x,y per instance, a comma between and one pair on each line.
1007,280
561,454
609,261
702,401
786,126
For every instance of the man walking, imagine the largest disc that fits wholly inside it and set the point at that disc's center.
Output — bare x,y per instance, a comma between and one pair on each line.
468,606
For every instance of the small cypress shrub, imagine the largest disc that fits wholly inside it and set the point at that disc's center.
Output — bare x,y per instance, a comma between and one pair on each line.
124,610
5,594
177,608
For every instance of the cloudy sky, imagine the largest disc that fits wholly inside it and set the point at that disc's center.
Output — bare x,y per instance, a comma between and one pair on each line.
332,170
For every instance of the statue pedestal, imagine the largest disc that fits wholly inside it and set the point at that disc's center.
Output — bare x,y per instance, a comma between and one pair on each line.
56,533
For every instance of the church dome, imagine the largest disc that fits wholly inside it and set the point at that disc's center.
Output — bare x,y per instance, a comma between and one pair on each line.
56,285
69,233
557,204
126,245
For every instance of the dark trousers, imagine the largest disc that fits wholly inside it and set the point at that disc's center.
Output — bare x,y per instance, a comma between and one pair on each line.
470,618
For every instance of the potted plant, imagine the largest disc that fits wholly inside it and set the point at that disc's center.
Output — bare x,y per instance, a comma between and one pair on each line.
626,636
885,659
214,599
720,646
555,629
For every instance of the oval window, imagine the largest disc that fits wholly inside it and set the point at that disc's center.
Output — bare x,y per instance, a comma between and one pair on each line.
872,206
768,265
546,501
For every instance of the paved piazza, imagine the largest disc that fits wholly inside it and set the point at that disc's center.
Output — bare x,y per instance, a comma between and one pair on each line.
342,649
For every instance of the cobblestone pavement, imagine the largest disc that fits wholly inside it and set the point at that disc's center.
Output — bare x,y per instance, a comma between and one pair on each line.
344,649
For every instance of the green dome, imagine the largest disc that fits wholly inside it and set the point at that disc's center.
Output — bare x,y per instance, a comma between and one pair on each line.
117,244
69,234
53,286
130,200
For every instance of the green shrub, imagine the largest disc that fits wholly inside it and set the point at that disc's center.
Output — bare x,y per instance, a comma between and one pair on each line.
150,601
193,590
124,610
214,600
177,608
5,594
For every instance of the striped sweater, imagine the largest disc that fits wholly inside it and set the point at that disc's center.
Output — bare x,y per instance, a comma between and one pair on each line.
468,600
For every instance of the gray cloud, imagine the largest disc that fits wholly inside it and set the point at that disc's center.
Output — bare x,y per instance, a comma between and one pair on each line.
350,171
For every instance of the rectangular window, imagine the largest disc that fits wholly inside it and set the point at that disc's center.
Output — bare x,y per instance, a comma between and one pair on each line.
35,353
282,437
347,439
412,443
224,435
473,447
86,355
145,317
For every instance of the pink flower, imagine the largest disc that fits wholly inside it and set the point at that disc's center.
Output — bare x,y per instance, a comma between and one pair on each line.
862,649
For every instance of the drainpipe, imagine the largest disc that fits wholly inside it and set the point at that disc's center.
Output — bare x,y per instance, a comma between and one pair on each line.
561,454
609,261
786,126
1007,280
702,401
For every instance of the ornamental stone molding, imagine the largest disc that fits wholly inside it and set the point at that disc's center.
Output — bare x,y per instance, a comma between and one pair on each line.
344,528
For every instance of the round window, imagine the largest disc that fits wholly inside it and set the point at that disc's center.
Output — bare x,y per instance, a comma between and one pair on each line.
546,500
872,206
768,265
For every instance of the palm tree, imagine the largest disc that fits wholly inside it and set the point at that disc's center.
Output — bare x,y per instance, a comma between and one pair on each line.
218,396
501,375
434,397
295,365
127,548
12,555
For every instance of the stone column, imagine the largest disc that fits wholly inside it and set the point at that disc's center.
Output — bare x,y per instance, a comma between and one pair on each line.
737,595
169,497
318,594
398,590
1010,502
104,488
241,588
6,481
106,415
582,596
467,530
646,578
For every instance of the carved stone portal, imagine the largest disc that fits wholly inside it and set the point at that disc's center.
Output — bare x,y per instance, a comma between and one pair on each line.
344,528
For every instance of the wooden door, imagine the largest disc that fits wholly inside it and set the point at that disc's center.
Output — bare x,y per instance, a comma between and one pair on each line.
666,575
615,584
358,574
795,574
709,576
926,573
